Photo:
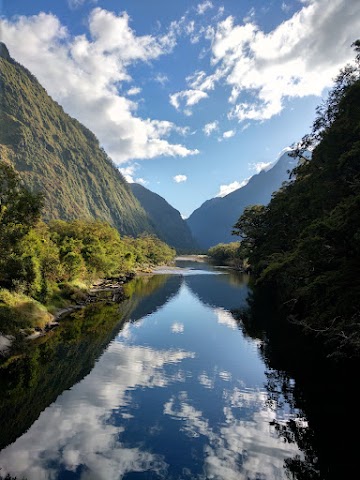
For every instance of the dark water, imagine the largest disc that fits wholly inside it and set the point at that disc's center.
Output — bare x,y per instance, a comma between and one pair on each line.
166,385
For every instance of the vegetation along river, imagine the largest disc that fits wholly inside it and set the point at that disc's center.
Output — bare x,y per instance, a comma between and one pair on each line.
172,383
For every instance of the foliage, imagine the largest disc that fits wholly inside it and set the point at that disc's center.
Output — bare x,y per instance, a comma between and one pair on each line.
52,364
19,211
18,311
228,254
45,263
305,243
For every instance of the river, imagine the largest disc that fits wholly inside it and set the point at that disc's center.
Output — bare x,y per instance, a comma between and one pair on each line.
167,384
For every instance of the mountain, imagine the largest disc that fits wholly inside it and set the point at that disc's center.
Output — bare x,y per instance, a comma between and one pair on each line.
212,222
165,219
57,155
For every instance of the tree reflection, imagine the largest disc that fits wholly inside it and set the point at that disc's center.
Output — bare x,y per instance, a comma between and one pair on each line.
321,391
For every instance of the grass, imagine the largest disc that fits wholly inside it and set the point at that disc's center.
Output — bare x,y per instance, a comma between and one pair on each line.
20,312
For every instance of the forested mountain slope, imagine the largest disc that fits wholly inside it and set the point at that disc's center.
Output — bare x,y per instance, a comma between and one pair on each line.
57,155
305,245
212,223
165,219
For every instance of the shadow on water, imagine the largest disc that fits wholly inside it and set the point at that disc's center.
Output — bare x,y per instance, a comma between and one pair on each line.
322,391
221,291
32,380
149,293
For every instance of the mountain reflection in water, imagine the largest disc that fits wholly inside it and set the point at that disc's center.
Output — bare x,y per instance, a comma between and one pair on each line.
178,393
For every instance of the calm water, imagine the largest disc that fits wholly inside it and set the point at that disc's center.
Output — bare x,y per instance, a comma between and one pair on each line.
164,386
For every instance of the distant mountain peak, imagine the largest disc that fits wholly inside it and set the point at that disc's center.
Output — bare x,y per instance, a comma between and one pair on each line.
212,222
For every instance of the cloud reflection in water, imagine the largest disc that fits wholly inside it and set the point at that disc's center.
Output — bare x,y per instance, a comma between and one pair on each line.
76,433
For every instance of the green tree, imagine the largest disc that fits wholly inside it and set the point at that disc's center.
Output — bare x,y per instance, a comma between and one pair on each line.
19,211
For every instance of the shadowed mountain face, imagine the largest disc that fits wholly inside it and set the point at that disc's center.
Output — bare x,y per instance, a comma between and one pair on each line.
57,155
212,223
165,219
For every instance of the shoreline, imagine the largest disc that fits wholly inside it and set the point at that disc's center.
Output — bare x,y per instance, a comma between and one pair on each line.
103,290
109,290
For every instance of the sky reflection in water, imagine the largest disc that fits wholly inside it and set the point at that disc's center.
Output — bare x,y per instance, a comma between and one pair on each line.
178,394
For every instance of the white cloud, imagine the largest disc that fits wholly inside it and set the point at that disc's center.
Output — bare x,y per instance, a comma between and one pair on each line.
229,134
141,180
249,440
202,7
298,58
250,15
161,78
134,91
285,7
206,381
231,187
77,430
83,74
180,178
190,98
258,167
224,375
210,127
177,327
128,172
73,4
225,318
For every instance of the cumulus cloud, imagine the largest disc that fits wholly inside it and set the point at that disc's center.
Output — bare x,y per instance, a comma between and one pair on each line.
180,178
202,7
134,91
241,448
228,134
129,171
210,127
77,431
260,166
231,187
225,318
83,74
206,381
188,97
73,4
298,58
161,78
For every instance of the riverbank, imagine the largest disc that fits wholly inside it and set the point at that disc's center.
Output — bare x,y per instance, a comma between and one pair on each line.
31,319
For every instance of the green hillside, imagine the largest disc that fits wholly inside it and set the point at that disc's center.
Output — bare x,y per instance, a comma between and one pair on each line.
57,155
165,219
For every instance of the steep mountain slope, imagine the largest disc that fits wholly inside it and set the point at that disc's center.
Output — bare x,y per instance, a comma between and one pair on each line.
57,155
212,223
165,219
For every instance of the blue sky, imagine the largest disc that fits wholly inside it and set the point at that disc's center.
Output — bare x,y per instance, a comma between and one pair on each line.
189,98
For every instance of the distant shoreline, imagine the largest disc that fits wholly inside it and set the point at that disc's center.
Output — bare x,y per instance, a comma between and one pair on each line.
193,258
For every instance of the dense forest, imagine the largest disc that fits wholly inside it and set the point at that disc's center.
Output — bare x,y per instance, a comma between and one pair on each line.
48,263
304,245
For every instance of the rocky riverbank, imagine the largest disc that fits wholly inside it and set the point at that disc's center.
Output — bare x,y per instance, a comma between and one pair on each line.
109,290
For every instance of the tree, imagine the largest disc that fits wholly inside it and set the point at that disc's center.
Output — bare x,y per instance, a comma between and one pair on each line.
19,211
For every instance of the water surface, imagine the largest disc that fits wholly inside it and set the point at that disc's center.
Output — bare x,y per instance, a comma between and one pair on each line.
178,393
